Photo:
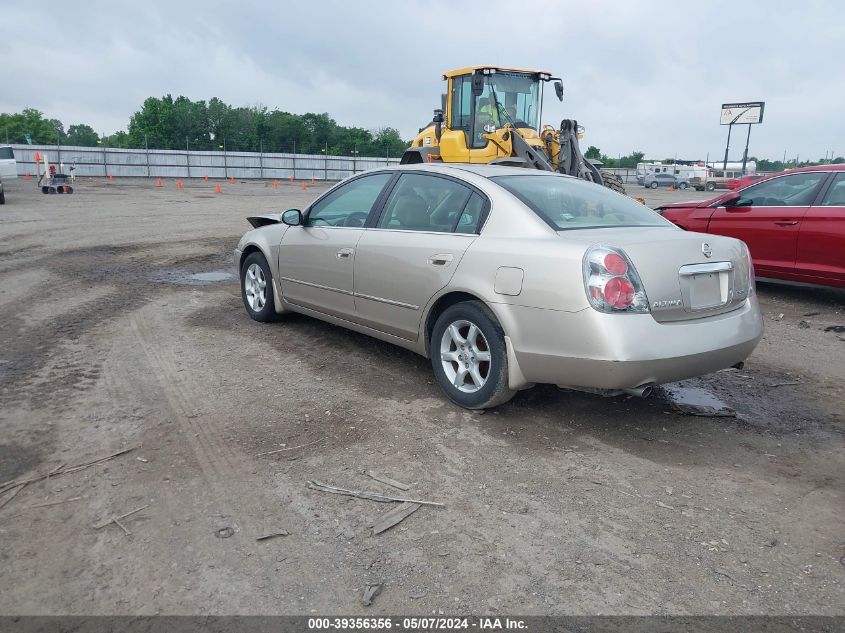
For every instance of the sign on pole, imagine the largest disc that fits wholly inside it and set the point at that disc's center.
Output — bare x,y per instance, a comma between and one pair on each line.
735,113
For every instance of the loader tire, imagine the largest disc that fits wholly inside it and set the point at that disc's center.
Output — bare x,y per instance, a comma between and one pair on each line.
614,182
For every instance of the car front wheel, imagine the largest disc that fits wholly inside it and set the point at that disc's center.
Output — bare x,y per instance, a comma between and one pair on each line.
469,357
257,288
711,186
653,185
683,185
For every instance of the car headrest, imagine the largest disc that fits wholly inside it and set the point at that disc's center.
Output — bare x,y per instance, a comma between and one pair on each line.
412,211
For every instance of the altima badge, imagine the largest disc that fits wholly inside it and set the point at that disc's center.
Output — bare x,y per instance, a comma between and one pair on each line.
705,248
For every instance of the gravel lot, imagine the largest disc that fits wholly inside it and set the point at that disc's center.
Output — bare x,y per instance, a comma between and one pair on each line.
555,503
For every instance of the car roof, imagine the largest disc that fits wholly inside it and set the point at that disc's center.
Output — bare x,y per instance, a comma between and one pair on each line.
486,171
839,167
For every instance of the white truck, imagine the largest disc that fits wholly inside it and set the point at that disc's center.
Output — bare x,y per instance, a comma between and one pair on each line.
8,169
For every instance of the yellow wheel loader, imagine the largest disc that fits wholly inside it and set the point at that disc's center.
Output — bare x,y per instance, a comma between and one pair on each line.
493,115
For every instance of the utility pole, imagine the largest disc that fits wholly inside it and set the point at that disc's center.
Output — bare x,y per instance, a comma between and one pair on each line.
326,163
188,156
261,157
225,164
294,159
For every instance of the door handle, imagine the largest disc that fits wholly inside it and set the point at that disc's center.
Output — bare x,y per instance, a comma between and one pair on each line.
786,222
441,259
345,253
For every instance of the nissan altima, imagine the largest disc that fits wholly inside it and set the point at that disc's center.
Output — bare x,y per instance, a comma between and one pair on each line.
507,277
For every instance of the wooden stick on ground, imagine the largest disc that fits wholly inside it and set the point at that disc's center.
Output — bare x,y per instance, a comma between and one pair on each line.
55,472
12,496
397,515
292,448
388,481
116,520
365,494
51,503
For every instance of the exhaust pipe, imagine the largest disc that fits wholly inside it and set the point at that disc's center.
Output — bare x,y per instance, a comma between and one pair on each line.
643,391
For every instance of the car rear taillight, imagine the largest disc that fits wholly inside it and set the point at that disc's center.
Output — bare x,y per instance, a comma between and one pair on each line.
612,282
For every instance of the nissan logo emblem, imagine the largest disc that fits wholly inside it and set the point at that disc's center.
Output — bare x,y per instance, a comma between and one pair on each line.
705,248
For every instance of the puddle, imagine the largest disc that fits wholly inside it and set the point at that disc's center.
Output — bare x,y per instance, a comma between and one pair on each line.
214,275
184,277
696,401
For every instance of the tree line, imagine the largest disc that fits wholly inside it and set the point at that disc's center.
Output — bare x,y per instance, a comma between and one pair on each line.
178,124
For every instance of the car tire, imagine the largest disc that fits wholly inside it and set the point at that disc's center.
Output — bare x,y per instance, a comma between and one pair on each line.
2,197
654,185
257,288
711,186
464,334
682,185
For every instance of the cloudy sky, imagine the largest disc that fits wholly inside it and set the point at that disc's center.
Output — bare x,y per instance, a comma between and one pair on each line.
638,74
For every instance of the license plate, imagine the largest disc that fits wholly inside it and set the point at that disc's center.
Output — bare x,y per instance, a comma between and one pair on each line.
707,290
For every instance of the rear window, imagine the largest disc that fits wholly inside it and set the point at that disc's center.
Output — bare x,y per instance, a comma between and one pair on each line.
569,203
6,153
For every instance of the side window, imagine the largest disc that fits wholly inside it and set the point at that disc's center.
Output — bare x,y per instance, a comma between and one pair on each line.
349,204
6,153
471,216
785,191
461,103
424,203
835,196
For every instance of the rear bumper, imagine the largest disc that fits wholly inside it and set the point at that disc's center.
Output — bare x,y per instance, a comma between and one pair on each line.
621,351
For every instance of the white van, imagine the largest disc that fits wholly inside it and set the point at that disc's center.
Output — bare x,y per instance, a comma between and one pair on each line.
8,169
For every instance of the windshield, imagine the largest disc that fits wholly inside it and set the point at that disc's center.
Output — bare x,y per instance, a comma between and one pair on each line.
569,203
517,96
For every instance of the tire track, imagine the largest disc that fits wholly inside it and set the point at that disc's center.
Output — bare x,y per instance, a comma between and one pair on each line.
220,465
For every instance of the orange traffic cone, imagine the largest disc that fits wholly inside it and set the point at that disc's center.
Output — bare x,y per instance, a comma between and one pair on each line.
671,187
312,180
304,186
291,178
26,176
206,177
179,184
159,183
111,177
275,184
232,180
217,188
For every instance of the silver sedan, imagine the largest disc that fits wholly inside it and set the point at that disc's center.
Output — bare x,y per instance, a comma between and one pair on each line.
507,277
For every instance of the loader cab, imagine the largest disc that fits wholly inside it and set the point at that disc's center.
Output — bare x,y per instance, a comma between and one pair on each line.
482,100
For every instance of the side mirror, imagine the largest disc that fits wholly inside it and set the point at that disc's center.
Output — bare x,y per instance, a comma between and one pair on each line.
292,217
731,199
559,90
477,84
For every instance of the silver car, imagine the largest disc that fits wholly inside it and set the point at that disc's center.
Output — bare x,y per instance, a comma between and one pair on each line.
506,277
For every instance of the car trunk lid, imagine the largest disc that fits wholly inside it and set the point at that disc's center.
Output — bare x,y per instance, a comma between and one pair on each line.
685,275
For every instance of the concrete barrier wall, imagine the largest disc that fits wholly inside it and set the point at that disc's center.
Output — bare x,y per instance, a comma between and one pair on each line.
98,161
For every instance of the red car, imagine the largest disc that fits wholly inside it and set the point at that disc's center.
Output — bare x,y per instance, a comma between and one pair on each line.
793,223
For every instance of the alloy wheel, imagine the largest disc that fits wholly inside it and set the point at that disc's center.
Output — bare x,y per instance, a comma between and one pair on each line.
465,355
255,288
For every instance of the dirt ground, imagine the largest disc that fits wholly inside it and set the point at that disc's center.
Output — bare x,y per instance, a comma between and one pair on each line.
555,503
